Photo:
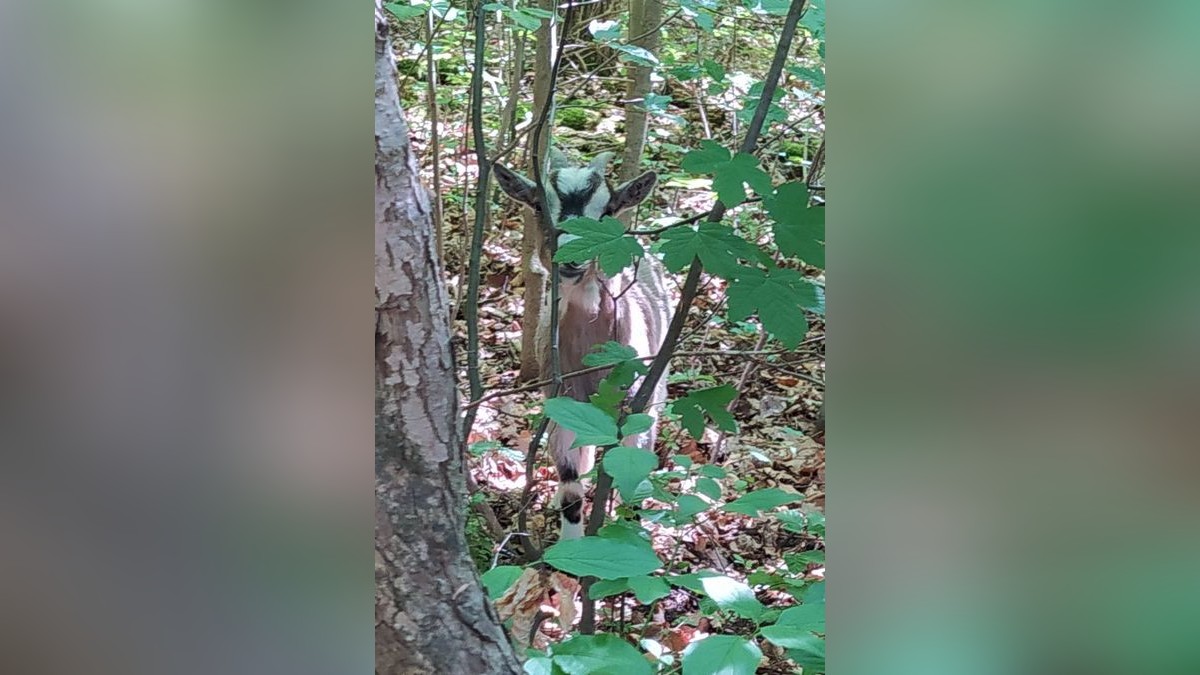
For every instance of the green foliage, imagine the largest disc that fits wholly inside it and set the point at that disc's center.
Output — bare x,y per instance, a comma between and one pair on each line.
778,296
721,655
733,596
602,240
730,172
529,18
628,468
762,500
716,244
799,228
498,579
601,558
693,408
590,424
579,119
598,655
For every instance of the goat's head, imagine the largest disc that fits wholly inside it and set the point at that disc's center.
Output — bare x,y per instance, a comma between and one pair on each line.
573,191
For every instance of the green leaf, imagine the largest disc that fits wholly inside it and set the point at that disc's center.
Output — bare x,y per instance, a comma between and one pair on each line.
717,72
814,18
628,532
599,655
686,72
681,460
608,397
602,240
762,500
648,589
639,55
709,488
605,31
592,426
704,21
777,296
805,617
636,424
628,468
721,655
690,505
717,246
498,579
656,102
406,11
810,655
712,470
692,582
733,596
525,20
729,172
798,562
811,75
705,160
603,588
601,558
799,228
608,353
814,594
539,665
711,402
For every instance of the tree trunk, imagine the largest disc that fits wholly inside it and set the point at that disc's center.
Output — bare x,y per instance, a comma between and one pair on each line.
644,16
536,277
431,615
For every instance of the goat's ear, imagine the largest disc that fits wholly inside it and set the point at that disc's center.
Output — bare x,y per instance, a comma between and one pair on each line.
632,193
515,185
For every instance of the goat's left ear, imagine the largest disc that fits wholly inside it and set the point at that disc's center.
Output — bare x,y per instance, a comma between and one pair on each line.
632,193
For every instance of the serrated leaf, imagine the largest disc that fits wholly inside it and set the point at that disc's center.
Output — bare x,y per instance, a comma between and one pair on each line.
717,246
733,596
752,503
811,75
608,397
711,402
805,617
729,177
599,654
592,426
716,71
799,229
600,558
690,505
602,240
709,488
798,562
648,589
777,296
498,579
721,655
628,468
636,424
706,159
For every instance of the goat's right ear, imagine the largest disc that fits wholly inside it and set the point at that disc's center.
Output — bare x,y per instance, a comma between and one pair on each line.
515,185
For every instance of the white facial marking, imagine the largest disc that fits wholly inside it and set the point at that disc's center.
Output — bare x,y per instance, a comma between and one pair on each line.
596,205
573,179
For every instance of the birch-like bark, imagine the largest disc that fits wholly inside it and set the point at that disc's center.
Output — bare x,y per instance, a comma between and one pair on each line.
431,615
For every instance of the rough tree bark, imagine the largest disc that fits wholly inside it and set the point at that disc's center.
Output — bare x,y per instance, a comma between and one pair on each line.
536,277
431,615
643,16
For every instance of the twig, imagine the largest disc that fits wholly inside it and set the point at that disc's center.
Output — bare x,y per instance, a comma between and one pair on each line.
686,221
471,311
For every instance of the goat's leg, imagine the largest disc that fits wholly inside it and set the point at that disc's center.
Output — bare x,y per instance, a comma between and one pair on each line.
571,463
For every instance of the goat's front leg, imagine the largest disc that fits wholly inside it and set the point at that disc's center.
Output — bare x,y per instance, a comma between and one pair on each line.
571,463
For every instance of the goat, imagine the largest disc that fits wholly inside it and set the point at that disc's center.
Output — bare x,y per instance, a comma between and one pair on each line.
631,308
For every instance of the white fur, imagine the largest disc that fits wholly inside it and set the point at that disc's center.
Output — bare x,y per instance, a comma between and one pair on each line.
571,530
574,179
